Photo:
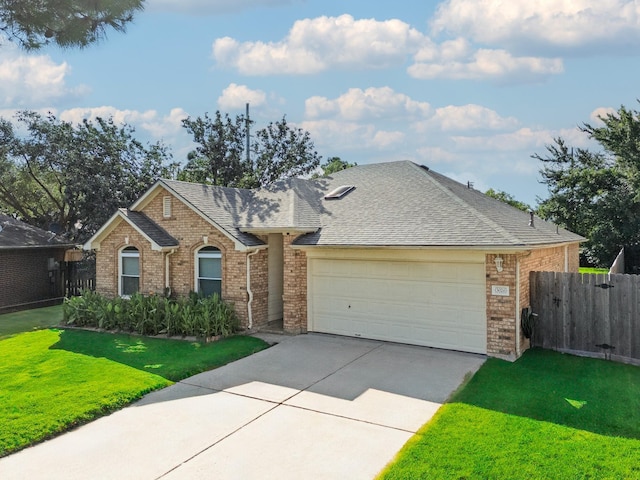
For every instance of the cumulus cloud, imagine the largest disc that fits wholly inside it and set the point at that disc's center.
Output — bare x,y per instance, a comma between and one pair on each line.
601,112
528,24
211,7
26,80
157,125
358,104
522,139
470,117
315,45
456,60
237,96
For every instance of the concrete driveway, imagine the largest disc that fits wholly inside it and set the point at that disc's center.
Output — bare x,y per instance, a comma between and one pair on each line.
312,406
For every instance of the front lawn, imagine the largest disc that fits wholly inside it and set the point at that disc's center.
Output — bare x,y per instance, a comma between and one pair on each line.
28,320
53,380
547,415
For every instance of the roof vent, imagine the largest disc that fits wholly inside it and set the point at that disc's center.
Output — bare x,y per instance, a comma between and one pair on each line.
339,192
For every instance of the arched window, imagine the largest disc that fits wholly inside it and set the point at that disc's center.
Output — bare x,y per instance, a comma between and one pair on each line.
129,271
209,271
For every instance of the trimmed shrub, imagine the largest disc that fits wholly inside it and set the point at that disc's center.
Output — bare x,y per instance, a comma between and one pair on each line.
202,317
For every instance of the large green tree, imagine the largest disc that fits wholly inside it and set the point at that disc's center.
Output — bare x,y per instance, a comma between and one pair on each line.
74,176
66,23
597,193
277,151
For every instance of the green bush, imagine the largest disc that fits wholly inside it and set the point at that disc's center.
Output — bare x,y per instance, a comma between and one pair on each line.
198,316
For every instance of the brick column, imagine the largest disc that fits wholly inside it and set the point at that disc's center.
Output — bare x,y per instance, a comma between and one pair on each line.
501,310
295,288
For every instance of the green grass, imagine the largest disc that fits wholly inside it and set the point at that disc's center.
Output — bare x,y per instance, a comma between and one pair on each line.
593,270
52,380
28,320
547,415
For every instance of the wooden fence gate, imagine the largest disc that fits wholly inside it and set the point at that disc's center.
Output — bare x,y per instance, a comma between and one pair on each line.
586,314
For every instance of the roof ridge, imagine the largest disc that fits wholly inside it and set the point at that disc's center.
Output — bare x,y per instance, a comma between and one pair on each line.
470,208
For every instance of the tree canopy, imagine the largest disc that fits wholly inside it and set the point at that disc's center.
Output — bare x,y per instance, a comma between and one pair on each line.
66,23
597,193
72,178
277,151
508,199
333,165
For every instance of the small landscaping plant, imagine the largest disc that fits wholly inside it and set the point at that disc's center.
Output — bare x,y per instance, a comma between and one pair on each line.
197,316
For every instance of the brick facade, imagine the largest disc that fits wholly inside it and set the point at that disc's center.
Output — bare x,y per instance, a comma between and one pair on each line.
191,231
26,280
503,312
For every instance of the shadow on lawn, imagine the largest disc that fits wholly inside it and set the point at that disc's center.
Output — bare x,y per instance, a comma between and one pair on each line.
171,359
583,393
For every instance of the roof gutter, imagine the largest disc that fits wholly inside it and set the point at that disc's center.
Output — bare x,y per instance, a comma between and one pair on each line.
250,253
479,248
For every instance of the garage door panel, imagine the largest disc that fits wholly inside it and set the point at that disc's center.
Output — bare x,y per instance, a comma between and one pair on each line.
434,304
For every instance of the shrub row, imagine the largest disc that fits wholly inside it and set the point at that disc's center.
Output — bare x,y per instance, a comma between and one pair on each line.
202,317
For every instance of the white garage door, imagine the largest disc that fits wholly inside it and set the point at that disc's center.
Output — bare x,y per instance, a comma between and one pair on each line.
437,304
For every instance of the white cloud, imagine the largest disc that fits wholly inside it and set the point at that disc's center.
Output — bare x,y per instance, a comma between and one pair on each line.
237,96
316,45
358,104
27,80
156,125
529,24
211,7
470,117
601,112
524,139
455,61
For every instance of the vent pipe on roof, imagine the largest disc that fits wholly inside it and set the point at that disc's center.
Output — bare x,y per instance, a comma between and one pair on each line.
531,219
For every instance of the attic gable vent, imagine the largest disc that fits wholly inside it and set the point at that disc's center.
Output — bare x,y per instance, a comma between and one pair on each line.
166,207
339,192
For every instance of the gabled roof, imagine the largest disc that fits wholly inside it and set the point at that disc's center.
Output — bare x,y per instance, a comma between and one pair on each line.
16,234
156,235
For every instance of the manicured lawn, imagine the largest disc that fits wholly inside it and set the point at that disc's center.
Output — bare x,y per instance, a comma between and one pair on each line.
547,415
52,380
28,320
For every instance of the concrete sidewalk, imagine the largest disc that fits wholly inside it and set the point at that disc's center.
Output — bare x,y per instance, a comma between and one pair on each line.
312,406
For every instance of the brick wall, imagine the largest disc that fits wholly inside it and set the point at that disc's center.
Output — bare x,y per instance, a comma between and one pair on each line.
189,229
295,288
501,326
25,280
502,316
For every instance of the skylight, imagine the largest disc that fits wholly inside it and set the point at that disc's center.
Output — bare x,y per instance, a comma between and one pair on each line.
339,192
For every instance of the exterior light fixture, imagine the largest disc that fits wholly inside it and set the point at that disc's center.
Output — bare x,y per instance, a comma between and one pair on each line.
499,261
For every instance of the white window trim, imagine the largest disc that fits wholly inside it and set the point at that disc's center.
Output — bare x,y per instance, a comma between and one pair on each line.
200,254
127,254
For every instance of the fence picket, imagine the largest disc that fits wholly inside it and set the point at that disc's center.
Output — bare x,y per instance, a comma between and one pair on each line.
575,314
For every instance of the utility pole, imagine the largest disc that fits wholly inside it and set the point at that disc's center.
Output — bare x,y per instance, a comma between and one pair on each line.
248,135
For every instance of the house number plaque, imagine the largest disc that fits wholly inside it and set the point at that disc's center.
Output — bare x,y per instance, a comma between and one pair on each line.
500,290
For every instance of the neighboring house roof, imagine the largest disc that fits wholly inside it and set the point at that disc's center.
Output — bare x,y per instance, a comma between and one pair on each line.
156,235
392,204
16,234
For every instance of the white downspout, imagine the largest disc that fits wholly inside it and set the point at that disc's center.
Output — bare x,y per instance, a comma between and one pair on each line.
167,276
249,292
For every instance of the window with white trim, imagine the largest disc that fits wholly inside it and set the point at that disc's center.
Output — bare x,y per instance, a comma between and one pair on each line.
129,271
209,271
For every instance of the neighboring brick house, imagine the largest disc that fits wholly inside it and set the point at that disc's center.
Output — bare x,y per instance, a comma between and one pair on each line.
400,253
30,260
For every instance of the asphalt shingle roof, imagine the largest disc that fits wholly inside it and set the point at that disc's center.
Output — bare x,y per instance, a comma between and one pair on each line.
150,228
392,204
17,234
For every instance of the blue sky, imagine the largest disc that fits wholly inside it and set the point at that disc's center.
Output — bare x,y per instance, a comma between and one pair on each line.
470,88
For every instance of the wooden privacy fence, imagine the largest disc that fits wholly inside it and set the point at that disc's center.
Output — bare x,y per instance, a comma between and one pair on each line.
586,314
